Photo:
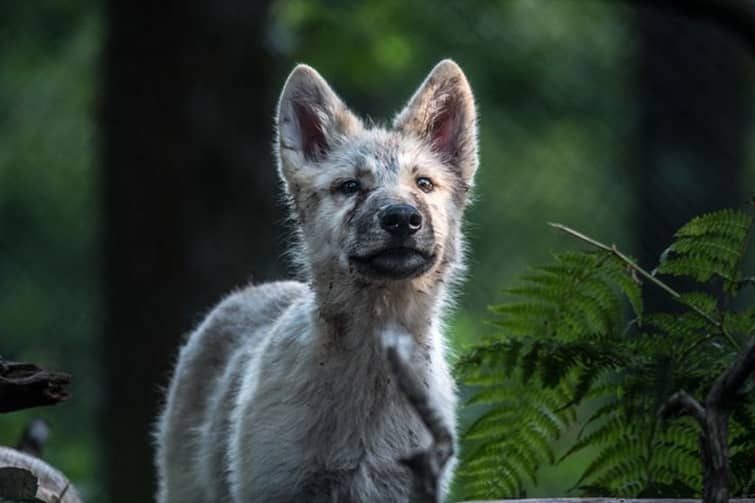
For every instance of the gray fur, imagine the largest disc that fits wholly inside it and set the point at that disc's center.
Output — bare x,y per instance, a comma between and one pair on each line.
283,393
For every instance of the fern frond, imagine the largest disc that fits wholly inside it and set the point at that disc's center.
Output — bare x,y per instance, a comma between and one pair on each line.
618,444
731,224
565,339
609,430
709,245
514,436
701,300
742,323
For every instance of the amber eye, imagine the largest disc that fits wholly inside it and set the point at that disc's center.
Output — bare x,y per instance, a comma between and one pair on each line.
350,187
425,184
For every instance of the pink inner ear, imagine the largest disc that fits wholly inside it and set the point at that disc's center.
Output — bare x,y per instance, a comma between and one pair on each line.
445,128
311,130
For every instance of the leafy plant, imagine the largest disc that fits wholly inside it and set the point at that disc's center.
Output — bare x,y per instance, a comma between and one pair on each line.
576,349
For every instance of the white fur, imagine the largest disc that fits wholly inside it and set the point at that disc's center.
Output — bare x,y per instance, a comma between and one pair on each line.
283,393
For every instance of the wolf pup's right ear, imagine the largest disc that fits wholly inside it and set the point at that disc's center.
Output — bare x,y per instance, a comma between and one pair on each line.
442,112
311,120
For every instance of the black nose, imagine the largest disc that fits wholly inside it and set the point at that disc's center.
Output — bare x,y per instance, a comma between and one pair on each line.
401,220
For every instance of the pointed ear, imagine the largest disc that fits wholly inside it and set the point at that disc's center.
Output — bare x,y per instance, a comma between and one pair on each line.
442,111
311,119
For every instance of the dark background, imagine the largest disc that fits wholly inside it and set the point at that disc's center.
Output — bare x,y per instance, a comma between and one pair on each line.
137,182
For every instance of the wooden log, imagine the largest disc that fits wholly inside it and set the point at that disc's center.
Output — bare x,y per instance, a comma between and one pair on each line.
18,471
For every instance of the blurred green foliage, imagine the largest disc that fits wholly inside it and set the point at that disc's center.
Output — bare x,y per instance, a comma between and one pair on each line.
553,80
49,215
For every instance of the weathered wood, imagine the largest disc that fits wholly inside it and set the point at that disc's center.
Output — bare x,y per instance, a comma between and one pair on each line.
51,485
24,386
17,484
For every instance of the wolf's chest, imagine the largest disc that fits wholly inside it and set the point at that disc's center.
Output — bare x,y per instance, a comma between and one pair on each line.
366,482
361,431
363,417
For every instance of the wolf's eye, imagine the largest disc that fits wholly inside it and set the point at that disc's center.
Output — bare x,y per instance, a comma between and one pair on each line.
425,184
350,187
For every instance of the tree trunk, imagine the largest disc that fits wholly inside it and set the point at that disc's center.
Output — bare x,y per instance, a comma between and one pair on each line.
190,191
714,454
692,125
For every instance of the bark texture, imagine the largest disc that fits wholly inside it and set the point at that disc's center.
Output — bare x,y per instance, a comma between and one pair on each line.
190,198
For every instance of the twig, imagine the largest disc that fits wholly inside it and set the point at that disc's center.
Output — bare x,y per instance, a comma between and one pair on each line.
426,465
645,274
23,386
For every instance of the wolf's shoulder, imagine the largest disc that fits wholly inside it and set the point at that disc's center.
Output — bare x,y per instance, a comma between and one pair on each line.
275,291
260,303
244,315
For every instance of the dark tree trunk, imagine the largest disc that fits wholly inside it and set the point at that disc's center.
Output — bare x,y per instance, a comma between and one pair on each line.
694,85
693,120
190,191
714,456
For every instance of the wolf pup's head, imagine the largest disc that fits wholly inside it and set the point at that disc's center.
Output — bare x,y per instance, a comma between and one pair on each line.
378,204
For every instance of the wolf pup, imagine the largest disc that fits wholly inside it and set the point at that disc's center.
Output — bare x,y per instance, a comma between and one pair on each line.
283,393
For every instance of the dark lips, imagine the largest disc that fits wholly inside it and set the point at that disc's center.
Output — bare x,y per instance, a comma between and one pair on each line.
395,263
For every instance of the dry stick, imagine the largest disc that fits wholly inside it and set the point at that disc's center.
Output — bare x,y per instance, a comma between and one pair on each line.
23,386
426,465
642,272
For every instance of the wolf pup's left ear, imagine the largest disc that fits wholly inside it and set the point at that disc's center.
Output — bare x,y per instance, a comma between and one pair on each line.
442,111
311,120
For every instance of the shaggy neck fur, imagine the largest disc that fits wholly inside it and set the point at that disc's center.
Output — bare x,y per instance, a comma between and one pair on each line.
363,310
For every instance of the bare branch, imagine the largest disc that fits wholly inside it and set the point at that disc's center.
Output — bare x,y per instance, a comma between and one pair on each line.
426,465
683,402
728,384
23,386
